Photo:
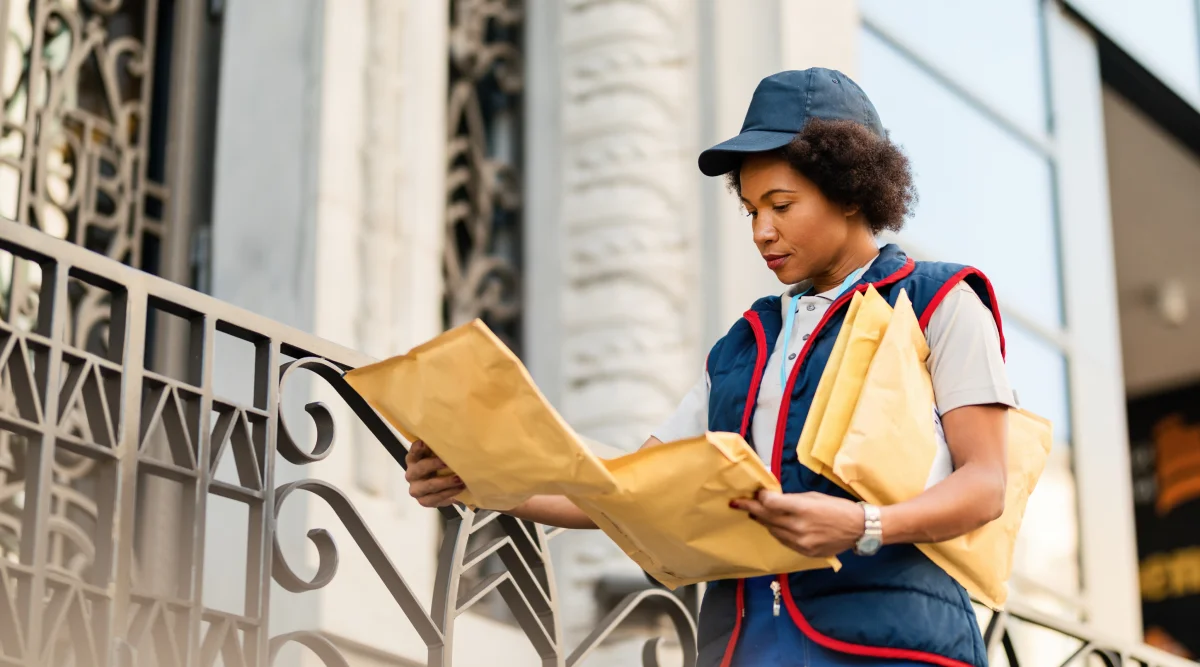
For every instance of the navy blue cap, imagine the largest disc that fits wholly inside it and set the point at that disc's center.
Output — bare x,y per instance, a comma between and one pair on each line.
782,105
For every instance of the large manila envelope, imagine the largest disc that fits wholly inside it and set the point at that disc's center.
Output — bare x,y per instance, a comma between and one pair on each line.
890,448
472,401
468,397
671,514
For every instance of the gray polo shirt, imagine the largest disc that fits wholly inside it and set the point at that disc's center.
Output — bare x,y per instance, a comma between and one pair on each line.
964,361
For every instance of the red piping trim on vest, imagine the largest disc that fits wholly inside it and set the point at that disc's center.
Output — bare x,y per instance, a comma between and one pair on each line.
760,364
857,649
776,466
945,291
727,660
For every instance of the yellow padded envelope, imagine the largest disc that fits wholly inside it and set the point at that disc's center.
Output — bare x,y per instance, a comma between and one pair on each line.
883,445
671,514
844,375
472,401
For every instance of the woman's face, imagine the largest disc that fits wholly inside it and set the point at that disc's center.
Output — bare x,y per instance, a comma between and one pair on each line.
798,230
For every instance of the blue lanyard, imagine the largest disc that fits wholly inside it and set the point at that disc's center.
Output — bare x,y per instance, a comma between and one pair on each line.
791,319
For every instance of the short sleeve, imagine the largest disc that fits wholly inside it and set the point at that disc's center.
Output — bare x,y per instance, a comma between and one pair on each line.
690,419
965,360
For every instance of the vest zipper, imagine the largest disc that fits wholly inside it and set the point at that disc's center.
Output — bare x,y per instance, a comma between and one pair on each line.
778,599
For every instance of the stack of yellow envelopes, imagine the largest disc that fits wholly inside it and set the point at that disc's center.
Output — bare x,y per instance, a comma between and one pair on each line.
871,430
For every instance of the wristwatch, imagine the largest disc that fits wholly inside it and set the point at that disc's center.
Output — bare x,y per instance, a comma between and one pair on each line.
872,538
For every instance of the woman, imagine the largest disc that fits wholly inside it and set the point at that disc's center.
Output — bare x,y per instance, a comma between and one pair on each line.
819,180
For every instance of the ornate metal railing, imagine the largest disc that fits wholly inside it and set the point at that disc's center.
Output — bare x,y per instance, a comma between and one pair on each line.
75,591
76,587
1079,645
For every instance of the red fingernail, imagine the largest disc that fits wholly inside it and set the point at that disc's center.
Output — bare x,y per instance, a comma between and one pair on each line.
457,479
733,504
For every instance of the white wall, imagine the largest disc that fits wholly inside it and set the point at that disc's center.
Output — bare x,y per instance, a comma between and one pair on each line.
264,230
268,122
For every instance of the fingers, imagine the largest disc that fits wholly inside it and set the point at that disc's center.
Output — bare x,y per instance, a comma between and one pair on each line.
441,499
764,507
423,469
761,514
776,502
418,451
425,483
752,507
434,488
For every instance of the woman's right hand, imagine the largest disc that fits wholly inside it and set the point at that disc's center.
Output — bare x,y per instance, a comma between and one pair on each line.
424,483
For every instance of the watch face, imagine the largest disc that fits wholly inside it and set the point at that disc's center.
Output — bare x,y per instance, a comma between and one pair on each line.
869,545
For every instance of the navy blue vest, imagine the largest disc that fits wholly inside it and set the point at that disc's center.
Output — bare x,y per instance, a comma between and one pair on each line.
895,604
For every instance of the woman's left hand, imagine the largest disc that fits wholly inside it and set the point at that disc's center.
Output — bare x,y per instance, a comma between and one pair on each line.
813,524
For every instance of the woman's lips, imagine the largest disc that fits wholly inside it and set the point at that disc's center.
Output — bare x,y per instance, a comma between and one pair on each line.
775,261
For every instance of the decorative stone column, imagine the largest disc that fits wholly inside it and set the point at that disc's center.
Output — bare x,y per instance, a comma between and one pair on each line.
613,307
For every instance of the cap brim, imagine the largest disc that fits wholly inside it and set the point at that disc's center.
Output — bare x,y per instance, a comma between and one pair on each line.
727,155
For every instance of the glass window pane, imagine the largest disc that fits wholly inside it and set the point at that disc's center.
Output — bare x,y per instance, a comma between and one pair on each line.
1037,371
985,196
993,49
1161,35
1046,559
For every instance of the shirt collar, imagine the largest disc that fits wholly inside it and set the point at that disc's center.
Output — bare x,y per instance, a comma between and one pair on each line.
828,295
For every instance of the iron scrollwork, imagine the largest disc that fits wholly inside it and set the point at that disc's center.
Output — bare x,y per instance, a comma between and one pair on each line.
483,239
521,573
182,430
77,111
77,162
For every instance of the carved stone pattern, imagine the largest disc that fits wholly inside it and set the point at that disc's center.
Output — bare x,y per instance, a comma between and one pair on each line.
483,240
628,244
74,162
628,214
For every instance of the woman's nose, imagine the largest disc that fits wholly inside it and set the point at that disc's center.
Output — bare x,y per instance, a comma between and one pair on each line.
764,231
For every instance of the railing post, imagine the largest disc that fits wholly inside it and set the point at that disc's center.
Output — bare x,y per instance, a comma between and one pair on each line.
123,655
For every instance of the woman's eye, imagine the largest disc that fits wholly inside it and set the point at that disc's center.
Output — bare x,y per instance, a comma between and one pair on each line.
751,214
780,208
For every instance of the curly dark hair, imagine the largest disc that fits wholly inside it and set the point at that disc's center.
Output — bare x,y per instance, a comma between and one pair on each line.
852,165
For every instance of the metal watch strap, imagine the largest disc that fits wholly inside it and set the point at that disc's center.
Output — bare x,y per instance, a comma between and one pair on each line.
872,537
